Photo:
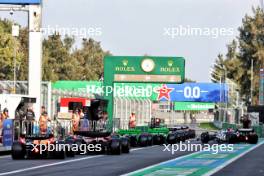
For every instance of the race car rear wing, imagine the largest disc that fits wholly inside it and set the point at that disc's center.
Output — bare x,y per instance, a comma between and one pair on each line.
245,130
92,133
38,136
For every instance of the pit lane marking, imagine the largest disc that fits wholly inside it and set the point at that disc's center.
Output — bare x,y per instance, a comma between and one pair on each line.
154,165
62,162
8,156
189,155
232,160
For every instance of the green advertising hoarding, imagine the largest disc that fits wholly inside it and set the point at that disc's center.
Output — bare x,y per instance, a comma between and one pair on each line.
82,86
127,90
140,69
144,69
193,106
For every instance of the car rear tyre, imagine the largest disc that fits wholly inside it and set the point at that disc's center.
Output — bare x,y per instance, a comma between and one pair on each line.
205,138
18,151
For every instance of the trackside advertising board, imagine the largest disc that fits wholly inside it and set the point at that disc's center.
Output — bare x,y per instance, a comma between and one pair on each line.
193,106
7,133
187,92
18,2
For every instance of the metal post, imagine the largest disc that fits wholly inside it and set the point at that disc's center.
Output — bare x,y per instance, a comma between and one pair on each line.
126,112
35,56
226,103
220,112
251,82
15,33
14,91
49,102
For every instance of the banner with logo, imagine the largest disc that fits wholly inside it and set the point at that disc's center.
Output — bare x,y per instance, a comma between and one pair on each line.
7,133
187,92
193,106
20,1
194,92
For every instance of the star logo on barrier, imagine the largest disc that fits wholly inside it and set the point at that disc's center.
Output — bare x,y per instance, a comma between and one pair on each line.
164,92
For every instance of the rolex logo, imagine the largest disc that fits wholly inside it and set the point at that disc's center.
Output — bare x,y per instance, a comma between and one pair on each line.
125,62
170,63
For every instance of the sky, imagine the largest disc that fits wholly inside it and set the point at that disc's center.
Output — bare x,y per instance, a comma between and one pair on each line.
151,27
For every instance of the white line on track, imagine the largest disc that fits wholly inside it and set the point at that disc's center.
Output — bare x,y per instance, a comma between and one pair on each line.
185,156
60,163
48,165
143,148
154,165
232,160
8,156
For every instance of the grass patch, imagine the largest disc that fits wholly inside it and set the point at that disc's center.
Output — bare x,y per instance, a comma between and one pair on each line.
208,126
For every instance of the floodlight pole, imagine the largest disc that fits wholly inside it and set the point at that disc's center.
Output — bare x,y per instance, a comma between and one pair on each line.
251,81
35,55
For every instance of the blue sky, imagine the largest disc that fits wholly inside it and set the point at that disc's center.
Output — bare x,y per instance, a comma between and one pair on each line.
137,27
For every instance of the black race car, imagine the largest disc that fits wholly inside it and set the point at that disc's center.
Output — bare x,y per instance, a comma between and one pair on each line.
247,135
37,146
104,142
145,139
231,136
179,133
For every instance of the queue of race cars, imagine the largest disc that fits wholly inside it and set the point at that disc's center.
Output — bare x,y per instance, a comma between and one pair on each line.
36,145
103,142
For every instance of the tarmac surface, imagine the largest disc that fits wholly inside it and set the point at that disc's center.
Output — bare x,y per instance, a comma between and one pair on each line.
111,165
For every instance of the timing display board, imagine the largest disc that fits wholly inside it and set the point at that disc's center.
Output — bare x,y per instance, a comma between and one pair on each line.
194,92
18,2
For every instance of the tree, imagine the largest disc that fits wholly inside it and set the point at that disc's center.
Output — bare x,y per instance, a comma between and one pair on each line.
23,67
58,63
218,69
9,48
90,57
250,46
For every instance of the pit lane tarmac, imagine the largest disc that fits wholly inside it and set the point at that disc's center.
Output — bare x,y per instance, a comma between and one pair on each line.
205,163
89,165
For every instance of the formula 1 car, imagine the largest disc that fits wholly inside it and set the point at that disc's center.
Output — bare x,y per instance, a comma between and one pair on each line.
104,142
247,135
230,136
222,136
137,137
179,133
37,146
145,139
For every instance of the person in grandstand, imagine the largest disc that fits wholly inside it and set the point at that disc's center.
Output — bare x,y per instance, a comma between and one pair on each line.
81,114
132,120
5,114
75,121
246,121
43,123
43,110
30,117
